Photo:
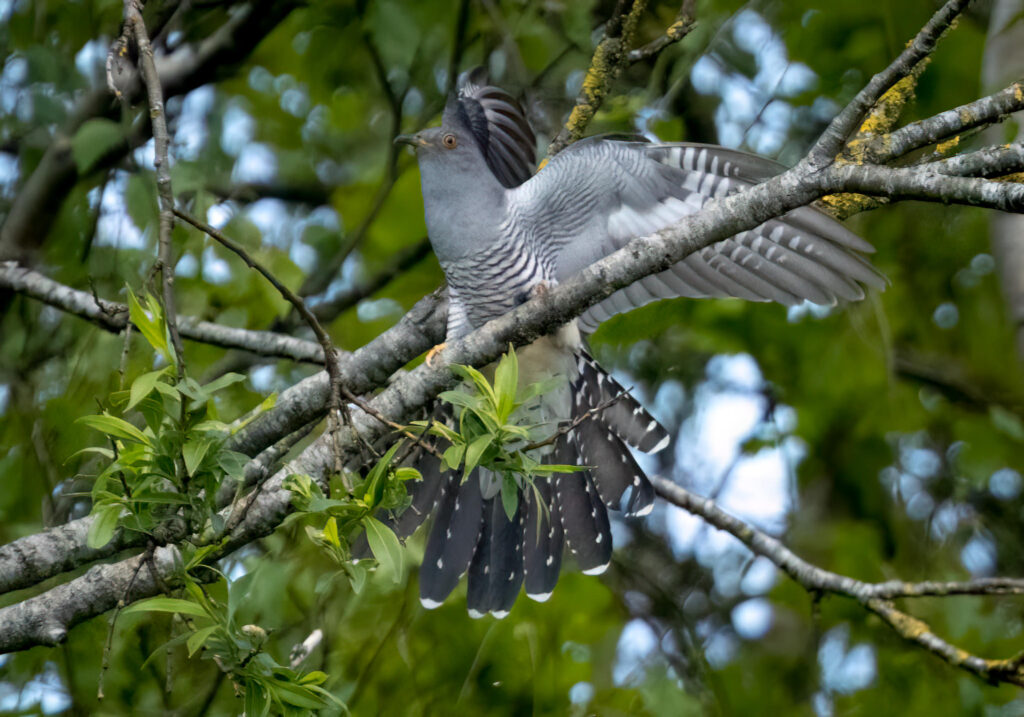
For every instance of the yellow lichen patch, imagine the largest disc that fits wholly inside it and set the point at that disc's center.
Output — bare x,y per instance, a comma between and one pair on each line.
1018,91
960,656
887,110
842,206
1017,178
676,28
578,118
948,146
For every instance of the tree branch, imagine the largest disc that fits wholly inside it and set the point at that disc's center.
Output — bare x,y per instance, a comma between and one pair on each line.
685,21
162,167
875,597
980,113
828,146
34,209
113,316
610,55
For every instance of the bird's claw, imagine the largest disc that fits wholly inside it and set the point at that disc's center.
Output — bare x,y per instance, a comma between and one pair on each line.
432,354
541,288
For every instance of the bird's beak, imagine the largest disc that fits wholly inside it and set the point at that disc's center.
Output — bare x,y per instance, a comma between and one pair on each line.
413,140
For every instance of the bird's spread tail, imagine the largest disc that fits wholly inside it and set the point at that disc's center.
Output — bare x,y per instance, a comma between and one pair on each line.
472,534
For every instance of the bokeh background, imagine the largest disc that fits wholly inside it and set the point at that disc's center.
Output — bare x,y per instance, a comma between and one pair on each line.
879,440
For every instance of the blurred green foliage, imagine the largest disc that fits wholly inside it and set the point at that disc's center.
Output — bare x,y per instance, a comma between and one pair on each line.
292,153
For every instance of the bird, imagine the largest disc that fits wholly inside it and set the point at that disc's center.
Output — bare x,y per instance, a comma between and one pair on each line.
502,232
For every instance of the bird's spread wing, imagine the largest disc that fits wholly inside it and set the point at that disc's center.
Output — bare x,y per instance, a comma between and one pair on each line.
598,194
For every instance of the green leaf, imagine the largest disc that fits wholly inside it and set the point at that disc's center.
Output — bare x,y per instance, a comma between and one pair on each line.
460,398
506,380
330,532
373,489
232,463
223,382
356,573
94,139
193,452
116,427
316,677
103,525
509,496
453,455
151,327
405,473
167,604
547,468
98,450
475,451
385,546
198,638
257,703
297,695
143,386
471,374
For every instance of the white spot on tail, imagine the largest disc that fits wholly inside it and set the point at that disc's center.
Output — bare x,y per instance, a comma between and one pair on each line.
598,570
539,597
661,444
429,604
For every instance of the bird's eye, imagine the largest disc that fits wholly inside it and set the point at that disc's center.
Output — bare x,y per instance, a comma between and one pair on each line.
449,141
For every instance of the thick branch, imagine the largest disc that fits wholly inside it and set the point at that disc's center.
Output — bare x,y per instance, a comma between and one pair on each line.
45,619
987,162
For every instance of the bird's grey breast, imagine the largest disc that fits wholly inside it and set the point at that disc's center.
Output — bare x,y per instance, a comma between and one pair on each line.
496,279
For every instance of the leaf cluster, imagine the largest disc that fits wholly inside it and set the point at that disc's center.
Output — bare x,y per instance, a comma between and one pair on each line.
213,632
492,431
172,466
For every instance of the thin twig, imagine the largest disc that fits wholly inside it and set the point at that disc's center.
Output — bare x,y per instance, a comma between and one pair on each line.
585,416
105,661
875,597
161,164
827,148
685,21
330,355
610,56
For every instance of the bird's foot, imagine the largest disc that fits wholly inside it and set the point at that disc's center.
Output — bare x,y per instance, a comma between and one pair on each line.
432,354
541,288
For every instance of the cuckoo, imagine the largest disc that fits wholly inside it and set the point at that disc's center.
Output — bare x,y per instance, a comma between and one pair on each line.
499,231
